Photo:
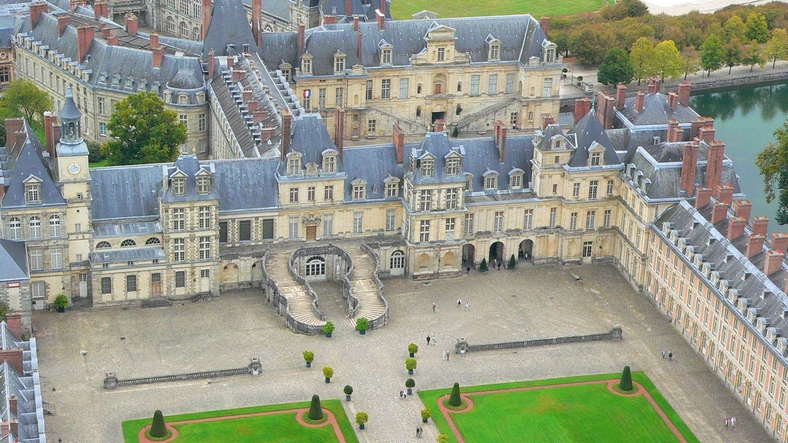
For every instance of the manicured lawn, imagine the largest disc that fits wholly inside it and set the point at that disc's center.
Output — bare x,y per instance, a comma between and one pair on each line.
99,164
584,413
403,9
276,428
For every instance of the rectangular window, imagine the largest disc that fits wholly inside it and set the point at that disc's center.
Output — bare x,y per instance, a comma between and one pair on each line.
222,232
180,279
553,213
450,224
56,256
178,219
587,247
293,227
310,194
306,100
548,87
369,89
179,249
606,220
372,126
293,195
205,217
106,285
328,193
103,129
425,200
102,106
573,220
392,190
245,230
528,219
359,192
591,220
498,222
385,88
201,125
203,146
404,86
339,97
358,222
469,225
268,229
555,188
328,225
424,231
576,190
475,84
183,118
610,187
492,84
593,185
596,158
131,283
321,98
452,198
391,219
441,54
205,248
510,83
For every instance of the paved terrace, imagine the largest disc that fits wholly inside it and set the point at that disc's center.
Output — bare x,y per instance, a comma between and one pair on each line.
530,302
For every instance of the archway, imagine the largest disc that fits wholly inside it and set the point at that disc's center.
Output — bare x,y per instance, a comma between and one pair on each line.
526,250
448,260
496,253
423,261
229,277
469,255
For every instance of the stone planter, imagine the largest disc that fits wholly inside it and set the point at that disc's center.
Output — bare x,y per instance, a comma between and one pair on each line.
328,380
363,332
410,371
309,364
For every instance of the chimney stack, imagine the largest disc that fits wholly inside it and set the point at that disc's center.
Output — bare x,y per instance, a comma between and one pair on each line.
14,322
707,134
13,356
780,242
113,39
286,121
725,193
700,122
359,47
62,21
688,168
84,40
440,125
246,95
640,101
621,96
104,31
330,19
684,93
773,263
13,404
754,245
383,6
348,8
12,126
14,427
100,9
606,110
301,39
355,23
675,133
499,132
257,8
673,100
652,88
703,198
544,23
339,130
582,107
260,114
211,63
714,164
736,227
399,143
131,24
760,225
50,122
743,209
251,106
158,50
657,84
719,213
381,19
206,17
547,120
36,9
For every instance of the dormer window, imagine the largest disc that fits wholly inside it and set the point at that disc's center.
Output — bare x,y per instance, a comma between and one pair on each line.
516,178
385,56
183,99
427,168
179,186
204,184
495,51
490,181
596,158
392,187
329,162
306,64
359,189
287,71
452,166
339,63
558,144
441,54
33,193
293,164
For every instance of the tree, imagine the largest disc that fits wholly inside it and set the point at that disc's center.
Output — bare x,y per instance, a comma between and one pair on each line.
734,28
442,438
641,57
712,54
143,131
158,429
585,45
615,68
512,262
753,56
3,310
756,29
773,165
691,60
734,51
626,380
315,411
561,40
454,398
24,97
483,265
667,60
635,8
777,46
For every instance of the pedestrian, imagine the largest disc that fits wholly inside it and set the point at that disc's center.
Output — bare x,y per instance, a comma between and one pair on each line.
733,422
401,394
468,270
428,340
434,342
670,357
419,431
444,355
433,307
726,421
499,265
459,302
448,354
467,306
663,354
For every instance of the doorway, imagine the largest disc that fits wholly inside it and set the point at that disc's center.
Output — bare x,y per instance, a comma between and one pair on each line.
155,284
496,252
83,284
438,116
205,280
526,250
311,233
469,255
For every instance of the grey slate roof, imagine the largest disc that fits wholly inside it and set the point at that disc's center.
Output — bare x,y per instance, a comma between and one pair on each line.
481,155
107,230
229,25
234,117
189,165
439,146
31,163
126,191
13,261
126,255
70,110
310,138
374,164
589,130
247,184
25,386
656,111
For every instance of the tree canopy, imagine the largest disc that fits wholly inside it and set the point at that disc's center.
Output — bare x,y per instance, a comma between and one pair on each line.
712,53
24,97
615,68
756,29
143,131
641,57
734,51
777,47
773,165
586,46
667,60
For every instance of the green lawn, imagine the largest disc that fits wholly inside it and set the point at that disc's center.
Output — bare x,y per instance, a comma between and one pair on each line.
277,428
403,9
588,413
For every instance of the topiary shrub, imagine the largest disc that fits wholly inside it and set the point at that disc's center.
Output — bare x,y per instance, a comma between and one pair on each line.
309,357
328,372
626,380
426,413
454,399
348,390
328,329
362,324
410,383
512,262
413,348
315,411
442,438
158,429
362,418
483,265
410,365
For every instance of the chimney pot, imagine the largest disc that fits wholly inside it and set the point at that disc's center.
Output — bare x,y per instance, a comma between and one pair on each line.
773,263
684,93
673,100
582,107
399,143
36,9
62,21
689,163
743,209
725,194
381,19
736,227
544,23
780,242
719,213
131,24
716,154
640,101
754,245
760,225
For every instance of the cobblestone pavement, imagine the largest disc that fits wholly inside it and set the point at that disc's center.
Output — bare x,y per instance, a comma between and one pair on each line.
530,302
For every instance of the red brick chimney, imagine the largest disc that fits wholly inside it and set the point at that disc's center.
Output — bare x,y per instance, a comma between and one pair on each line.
339,130
246,95
606,110
131,24
499,133
348,8
652,88
158,55
13,404
780,242
736,227
689,163
657,84
621,96
544,23
14,358
640,101
330,19
36,9
381,19
675,133
359,47
743,209
684,93
104,30
14,322
700,122
707,134
251,106
14,427
547,120
355,23
719,212
725,193
383,7
62,21
206,17
773,263
5,429
286,121
754,245
673,100
399,143
714,164
211,63
760,225
257,8
12,126
100,9
440,125
84,40
582,107
113,39
260,114
301,38
50,122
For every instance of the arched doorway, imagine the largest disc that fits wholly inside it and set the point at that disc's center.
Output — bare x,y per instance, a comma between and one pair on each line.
315,267
397,263
496,253
526,250
469,255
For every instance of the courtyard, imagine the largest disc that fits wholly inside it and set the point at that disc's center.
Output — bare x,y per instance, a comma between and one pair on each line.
529,302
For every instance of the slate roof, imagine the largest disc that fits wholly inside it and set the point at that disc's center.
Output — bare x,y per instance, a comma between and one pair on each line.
229,25
246,184
189,165
310,138
25,386
31,163
234,117
588,131
13,261
69,110
373,164
656,111
440,147
108,230
121,192
481,155
126,255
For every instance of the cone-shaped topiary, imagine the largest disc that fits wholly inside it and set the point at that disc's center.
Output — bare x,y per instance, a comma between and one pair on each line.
626,380
158,429
315,411
454,399
483,265
512,262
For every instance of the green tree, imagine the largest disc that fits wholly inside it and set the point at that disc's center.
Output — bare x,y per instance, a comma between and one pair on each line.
756,29
483,265
734,28
626,380
734,52
777,47
635,8
24,97
712,54
773,165
512,262
455,399
3,310
315,411
143,131
753,56
585,45
667,60
691,60
615,68
158,429
641,57
561,40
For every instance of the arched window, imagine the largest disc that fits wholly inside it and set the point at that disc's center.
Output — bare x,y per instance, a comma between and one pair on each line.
170,25
103,245
196,34
54,226
35,227
184,30
153,241
315,266
459,87
418,89
15,228
418,111
397,260
127,243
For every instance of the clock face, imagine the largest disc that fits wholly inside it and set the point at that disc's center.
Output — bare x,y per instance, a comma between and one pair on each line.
74,168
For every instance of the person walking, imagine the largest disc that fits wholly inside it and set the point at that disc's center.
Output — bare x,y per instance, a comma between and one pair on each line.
467,270
726,421
467,306
434,307
663,356
434,342
733,422
428,340
459,302
448,354
670,356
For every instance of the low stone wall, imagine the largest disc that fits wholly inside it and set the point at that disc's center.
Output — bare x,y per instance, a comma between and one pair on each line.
462,346
111,381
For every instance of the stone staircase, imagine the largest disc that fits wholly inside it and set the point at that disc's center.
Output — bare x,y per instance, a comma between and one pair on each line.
468,119
298,298
364,288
